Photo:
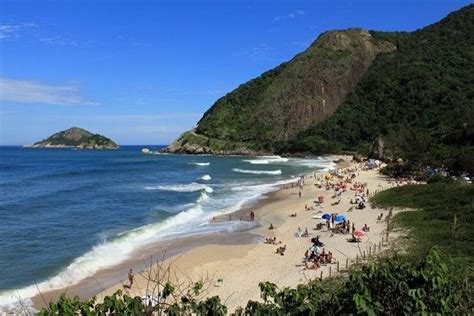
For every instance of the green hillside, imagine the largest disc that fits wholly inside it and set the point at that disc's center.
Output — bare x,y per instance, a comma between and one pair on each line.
290,98
419,98
350,87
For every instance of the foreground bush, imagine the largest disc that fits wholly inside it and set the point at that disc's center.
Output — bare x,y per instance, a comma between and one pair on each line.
398,285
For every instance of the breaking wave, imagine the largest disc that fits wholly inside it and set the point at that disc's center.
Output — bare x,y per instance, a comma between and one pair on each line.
273,172
191,187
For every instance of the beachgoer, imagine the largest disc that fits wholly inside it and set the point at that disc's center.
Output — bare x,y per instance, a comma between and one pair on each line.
299,194
130,277
271,226
252,216
230,217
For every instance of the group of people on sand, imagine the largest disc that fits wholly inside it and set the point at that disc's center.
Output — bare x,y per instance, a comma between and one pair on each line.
314,260
272,241
300,233
314,257
343,227
339,182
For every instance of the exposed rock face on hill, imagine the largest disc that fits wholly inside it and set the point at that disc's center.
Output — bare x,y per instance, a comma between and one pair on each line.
76,137
413,89
288,99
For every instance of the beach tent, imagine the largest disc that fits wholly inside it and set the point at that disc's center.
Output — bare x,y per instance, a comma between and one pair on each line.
326,216
340,218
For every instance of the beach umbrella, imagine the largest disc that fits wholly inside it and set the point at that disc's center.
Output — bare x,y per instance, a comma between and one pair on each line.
315,249
326,216
359,234
340,218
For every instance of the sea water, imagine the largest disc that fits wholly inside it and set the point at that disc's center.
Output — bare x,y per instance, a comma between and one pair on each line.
66,213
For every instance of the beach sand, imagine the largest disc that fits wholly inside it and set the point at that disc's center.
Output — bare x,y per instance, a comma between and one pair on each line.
242,266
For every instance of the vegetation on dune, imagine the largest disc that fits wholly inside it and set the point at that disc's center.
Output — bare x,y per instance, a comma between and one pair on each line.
418,98
444,217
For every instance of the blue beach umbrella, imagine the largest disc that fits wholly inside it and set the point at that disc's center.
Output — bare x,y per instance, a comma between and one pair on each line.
340,218
326,216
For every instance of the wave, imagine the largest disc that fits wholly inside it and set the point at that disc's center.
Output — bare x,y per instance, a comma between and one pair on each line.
191,187
103,255
205,177
258,161
203,197
199,163
319,163
275,159
273,172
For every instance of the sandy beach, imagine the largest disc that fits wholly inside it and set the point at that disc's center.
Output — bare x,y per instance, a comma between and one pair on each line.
233,271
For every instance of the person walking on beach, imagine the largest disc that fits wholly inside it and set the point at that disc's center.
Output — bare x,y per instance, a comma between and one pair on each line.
130,277
252,216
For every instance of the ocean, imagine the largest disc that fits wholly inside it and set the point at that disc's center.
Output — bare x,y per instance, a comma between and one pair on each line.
66,214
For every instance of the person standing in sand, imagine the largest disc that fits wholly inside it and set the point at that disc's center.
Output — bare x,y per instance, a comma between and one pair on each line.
130,277
252,216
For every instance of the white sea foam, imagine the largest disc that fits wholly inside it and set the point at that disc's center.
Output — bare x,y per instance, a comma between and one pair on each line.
313,163
274,172
191,187
101,256
275,159
203,197
205,177
194,220
258,161
199,163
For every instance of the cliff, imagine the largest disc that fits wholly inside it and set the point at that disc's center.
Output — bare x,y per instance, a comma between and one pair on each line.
288,99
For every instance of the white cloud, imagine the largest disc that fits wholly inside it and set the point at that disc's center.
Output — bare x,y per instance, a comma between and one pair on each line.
132,118
14,30
62,41
33,92
290,16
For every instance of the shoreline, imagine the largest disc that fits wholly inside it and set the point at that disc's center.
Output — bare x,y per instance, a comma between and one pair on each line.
108,276
111,276
258,262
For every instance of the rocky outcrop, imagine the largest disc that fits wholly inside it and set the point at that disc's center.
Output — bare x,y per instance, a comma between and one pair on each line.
290,98
378,150
76,137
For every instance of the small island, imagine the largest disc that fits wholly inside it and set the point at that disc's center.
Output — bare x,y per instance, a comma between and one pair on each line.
76,137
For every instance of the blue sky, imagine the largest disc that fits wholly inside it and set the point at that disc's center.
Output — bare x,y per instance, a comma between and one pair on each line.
142,72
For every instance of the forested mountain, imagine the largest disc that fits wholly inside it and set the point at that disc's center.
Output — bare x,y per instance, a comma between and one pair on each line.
412,89
419,98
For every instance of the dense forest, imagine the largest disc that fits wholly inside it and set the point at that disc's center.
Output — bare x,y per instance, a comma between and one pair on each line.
418,98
